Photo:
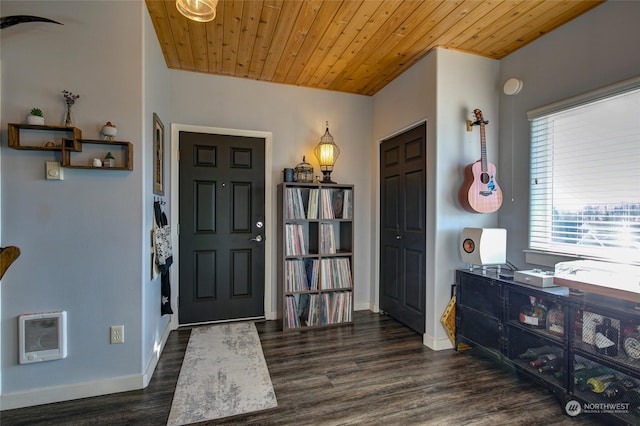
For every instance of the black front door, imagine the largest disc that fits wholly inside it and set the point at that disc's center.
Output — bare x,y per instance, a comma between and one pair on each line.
221,216
403,227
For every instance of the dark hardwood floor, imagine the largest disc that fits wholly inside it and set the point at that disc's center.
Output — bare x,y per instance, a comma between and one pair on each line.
373,372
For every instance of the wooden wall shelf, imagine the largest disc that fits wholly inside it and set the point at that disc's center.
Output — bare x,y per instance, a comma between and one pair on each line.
122,151
15,143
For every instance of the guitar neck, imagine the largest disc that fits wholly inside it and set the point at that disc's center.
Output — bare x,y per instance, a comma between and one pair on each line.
483,148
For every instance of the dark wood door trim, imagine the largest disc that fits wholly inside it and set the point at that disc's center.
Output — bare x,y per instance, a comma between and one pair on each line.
270,310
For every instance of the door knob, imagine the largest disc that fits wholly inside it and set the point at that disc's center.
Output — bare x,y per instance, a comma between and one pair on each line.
398,237
257,238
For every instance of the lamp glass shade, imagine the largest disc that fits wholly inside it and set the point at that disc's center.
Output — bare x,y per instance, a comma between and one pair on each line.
198,10
325,155
327,151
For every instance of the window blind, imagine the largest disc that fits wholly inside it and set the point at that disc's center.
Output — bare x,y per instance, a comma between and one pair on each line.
585,176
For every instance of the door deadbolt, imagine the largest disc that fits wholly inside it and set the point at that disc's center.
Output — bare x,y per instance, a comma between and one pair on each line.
259,224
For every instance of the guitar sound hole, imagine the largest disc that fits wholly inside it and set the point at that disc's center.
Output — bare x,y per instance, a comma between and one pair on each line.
484,178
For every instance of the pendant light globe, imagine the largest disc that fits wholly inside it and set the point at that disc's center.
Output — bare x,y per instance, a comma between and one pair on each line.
198,10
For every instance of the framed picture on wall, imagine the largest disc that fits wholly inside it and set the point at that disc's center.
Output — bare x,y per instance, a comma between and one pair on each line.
158,155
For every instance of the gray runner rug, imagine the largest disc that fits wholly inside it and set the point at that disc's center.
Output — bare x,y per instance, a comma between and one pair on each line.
223,374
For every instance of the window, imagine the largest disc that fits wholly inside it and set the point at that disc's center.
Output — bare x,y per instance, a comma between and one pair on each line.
585,175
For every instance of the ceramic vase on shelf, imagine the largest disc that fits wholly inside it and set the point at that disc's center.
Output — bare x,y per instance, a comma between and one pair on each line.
34,119
109,131
69,121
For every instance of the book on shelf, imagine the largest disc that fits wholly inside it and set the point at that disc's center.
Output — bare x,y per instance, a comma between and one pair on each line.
336,203
312,318
295,276
295,242
301,203
324,309
312,207
347,204
313,272
335,273
294,203
327,239
301,275
291,312
303,307
302,310
327,204
336,307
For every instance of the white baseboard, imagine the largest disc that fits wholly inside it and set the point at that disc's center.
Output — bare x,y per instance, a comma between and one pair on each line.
362,307
272,315
60,393
436,344
155,357
52,394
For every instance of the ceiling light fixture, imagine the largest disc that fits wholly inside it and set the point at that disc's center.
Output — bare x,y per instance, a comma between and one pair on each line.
198,10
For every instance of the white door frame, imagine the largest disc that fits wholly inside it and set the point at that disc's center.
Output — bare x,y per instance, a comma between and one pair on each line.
176,128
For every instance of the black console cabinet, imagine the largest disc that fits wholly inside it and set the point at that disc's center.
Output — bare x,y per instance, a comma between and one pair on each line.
479,307
600,381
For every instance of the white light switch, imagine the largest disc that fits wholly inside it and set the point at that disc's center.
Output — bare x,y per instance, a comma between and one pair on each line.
53,171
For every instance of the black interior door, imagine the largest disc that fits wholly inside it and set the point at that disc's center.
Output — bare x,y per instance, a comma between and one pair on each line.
403,227
221,216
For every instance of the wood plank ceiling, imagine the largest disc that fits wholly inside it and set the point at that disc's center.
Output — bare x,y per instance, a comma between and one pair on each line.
354,46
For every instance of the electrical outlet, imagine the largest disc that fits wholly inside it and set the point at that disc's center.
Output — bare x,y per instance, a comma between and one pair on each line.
117,334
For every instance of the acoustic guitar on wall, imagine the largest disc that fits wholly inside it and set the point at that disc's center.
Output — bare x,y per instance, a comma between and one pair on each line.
480,192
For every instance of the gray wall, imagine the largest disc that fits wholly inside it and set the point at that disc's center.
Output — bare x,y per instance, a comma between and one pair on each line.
296,118
598,48
444,88
84,240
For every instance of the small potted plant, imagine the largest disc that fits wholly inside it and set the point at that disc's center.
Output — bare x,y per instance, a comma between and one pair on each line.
35,117
109,160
